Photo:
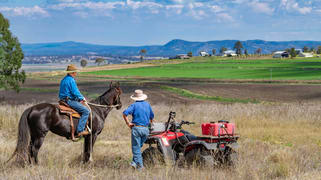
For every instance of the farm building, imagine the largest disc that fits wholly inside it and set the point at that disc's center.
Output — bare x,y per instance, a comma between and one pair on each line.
305,55
203,53
280,54
181,56
229,53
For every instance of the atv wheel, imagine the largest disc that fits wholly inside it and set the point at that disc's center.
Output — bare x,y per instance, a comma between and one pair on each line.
152,156
200,157
228,157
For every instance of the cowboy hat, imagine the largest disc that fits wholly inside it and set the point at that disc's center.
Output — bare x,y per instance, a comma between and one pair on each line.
72,68
138,95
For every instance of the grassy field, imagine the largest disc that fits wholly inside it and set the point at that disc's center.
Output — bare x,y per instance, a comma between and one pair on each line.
218,68
277,142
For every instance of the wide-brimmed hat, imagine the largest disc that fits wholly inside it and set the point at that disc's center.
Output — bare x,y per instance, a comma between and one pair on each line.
72,68
138,95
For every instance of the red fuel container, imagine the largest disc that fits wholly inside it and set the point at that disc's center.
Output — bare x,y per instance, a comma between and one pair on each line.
218,128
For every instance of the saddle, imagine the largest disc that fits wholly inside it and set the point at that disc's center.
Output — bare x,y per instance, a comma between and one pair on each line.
64,108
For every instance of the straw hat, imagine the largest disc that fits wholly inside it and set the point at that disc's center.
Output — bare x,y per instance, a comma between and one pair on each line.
138,95
72,68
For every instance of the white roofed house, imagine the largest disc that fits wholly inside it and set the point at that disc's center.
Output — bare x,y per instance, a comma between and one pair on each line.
229,53
203,53
280,54
302,54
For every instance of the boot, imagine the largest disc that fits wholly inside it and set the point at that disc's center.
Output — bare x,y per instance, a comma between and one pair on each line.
83,133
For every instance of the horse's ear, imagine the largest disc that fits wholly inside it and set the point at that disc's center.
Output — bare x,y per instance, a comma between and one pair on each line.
111,84
117,84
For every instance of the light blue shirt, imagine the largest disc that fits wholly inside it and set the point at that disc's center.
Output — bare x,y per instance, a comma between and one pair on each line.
68,88
141,111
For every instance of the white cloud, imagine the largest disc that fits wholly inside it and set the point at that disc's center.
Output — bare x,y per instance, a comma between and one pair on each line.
141,4
261,7
25,11
88,5
216,9
177,8
292,5
224,17
178,1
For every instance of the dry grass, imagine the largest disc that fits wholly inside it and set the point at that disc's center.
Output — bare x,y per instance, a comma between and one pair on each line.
277,142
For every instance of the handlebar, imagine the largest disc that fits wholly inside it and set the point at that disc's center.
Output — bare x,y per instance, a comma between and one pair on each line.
187,122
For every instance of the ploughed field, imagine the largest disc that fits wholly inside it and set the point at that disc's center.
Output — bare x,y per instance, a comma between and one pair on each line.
280,130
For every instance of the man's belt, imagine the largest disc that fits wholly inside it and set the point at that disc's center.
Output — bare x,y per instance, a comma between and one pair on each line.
139,125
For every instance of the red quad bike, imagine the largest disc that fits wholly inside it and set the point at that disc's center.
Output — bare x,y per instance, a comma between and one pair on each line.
168,141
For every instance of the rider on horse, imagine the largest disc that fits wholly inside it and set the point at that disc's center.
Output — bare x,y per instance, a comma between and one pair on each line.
70,94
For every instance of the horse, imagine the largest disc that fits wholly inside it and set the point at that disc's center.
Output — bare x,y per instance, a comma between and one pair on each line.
38,120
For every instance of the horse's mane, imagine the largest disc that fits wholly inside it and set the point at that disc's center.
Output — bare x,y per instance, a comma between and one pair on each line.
101,98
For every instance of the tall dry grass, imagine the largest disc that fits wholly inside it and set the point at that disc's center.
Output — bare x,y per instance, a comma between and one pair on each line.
277,142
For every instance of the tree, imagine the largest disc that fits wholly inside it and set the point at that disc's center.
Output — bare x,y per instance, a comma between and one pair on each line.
11,56
312,49
305,49
142,54
238,47
245,52
288,50
213,52
292,53
319,50
223,49
258,51
99,61
190,54
83,63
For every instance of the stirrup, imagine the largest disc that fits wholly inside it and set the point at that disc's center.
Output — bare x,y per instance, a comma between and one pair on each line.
89,130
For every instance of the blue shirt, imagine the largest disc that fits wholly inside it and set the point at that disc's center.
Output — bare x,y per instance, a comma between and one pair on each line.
68,88
141,111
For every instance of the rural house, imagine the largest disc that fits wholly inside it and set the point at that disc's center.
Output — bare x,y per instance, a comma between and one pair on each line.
181,56
229,53
305,55
203,54
280,54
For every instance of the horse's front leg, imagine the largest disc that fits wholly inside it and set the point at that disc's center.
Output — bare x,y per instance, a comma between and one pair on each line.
88,148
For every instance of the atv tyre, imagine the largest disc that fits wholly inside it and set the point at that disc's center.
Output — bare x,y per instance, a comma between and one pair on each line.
200,157
152,157
228,157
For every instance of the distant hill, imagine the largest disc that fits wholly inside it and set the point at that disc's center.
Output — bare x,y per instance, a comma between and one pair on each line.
172,48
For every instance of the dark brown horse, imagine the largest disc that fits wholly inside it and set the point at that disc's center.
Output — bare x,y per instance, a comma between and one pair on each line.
37,120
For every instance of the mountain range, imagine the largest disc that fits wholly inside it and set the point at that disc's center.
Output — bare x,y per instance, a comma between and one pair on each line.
171,48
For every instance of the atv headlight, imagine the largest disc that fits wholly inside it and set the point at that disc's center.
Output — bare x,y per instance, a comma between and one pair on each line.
165,141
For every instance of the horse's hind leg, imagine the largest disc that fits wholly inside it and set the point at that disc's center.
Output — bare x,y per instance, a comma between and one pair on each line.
36,144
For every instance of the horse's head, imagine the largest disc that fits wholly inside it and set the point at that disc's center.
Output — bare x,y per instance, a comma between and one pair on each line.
115,92
111,97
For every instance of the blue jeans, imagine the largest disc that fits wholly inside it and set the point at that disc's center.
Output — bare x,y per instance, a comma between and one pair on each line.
139,136
81,109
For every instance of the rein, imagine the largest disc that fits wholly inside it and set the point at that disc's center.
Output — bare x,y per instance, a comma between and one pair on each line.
104,106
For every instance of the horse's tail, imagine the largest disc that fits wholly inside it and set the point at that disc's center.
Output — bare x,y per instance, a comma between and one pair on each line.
23,138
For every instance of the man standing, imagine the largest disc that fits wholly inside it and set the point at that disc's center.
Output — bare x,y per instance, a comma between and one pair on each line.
142,114
70,94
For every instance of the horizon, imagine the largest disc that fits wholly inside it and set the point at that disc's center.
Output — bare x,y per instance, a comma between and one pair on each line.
154,22
166,42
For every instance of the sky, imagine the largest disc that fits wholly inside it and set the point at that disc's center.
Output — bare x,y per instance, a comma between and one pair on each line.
156,22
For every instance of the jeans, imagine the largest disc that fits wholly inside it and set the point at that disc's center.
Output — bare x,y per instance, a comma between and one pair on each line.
81,109
139,136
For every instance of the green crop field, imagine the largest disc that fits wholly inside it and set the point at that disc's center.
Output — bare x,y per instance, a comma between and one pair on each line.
213,68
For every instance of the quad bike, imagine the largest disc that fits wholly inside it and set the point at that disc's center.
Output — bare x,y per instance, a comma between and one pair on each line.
168,141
